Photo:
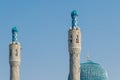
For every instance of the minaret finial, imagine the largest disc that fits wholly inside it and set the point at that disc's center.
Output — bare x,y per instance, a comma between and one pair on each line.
88,57
14,34
74,17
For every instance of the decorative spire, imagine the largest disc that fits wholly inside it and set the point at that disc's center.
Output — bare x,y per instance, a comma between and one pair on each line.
88,57
74,17
14,34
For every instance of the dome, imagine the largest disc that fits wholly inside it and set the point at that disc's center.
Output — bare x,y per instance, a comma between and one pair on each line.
92,71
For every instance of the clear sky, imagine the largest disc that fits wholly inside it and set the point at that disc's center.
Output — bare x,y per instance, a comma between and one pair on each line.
43,27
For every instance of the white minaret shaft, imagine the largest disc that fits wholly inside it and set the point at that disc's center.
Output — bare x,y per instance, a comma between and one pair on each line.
14,56
74,44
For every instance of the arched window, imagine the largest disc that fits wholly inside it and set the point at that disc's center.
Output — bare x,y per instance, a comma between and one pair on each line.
16,52
77,39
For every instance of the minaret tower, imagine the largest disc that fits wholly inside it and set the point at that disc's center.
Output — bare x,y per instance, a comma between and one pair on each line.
14,56
74,45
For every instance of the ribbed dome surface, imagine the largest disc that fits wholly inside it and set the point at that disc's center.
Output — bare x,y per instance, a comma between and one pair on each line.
92,71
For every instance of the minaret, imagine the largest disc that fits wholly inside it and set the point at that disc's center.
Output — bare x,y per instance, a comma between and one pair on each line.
14,56
74,45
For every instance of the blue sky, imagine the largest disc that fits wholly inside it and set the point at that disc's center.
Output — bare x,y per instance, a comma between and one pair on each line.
43,26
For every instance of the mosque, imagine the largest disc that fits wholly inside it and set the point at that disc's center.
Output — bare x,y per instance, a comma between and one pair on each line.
84,71
77,71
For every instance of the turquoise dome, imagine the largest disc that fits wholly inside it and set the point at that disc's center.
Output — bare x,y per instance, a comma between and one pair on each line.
92,71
